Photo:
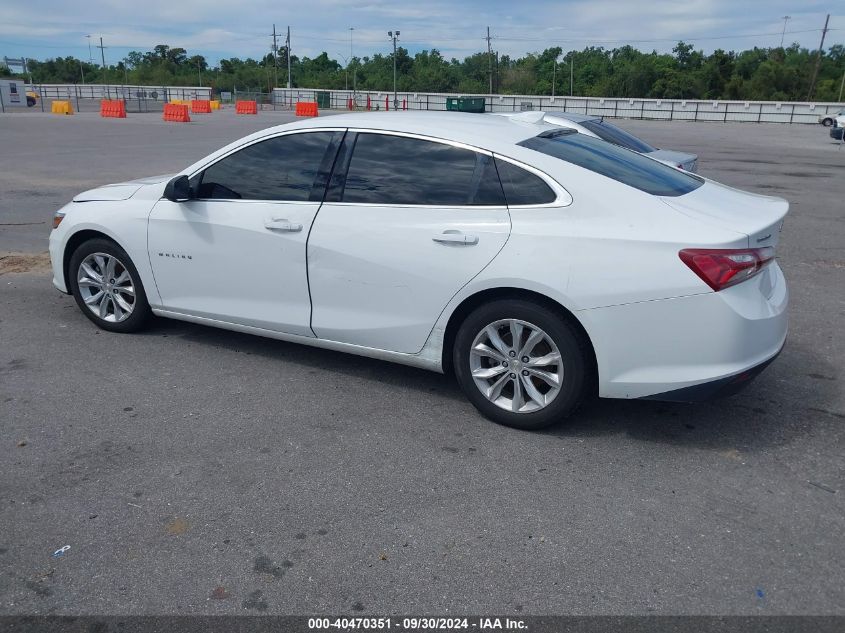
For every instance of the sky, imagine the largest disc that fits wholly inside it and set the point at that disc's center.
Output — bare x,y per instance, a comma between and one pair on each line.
41,29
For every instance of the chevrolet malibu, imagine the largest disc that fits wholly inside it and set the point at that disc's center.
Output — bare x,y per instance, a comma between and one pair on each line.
537,264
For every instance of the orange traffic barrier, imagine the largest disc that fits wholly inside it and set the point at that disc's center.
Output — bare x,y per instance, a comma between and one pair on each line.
176,113
306,108
246,107
201,106
113,108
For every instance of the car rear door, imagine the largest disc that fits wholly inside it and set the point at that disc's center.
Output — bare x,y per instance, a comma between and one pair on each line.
406,223
236,252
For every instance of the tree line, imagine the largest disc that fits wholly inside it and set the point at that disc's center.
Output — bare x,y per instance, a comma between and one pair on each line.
772,74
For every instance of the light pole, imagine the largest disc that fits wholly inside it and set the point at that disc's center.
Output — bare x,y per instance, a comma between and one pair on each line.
394,37
90,57
554,69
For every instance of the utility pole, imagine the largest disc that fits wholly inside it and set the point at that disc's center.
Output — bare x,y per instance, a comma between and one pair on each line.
841,86
554,69
103,54
818,60
785,19
287,46
489,59
275,56
354,70
199,71
395,37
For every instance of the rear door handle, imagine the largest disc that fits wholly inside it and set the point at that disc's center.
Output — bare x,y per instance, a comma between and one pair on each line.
282,224
456,237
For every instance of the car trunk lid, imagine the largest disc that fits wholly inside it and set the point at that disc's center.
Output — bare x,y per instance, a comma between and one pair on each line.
759,217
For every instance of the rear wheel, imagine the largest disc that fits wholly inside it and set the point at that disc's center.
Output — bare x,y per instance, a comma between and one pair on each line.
521,364
827,122
107,288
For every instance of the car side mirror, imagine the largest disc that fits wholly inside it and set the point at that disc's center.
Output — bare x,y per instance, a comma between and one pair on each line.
178,189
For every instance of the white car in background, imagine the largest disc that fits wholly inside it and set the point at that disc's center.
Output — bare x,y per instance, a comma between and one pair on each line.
538,264
599,128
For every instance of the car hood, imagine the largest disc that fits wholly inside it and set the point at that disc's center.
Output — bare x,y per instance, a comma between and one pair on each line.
120,190
758,217
674,158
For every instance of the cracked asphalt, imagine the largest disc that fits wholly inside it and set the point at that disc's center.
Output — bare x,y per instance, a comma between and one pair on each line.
194,470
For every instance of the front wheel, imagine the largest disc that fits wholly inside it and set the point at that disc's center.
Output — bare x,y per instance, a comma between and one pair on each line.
521,364
107,287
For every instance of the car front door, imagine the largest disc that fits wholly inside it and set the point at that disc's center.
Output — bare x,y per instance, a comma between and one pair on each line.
236,252
407,222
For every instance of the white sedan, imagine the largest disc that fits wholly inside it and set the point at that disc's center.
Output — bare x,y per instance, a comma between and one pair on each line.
538,264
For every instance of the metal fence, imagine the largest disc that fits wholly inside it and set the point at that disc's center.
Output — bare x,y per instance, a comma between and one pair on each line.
659,109
87,97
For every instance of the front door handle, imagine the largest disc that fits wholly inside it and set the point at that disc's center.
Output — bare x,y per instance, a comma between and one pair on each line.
282,224
456,237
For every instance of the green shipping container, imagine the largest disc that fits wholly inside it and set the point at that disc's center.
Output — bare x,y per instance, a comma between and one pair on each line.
465,104
324,100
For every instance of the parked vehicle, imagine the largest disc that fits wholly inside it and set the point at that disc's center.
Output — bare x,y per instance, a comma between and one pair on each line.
538,264
829,118
838,128
599,128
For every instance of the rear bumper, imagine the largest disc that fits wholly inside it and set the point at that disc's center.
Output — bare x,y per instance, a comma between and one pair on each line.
714,389
692,347
836,133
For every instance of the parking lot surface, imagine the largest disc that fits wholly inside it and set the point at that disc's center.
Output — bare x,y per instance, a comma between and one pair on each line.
193,470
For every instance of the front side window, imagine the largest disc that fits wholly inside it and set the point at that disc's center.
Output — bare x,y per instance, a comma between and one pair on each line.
612,134
618,163
387,169
280,168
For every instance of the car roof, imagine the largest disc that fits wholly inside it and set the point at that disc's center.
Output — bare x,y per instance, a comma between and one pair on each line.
492,133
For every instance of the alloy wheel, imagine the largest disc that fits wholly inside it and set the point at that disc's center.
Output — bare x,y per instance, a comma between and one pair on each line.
516,365
106,287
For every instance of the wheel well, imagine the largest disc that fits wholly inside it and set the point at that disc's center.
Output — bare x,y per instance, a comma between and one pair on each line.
485,296
75,241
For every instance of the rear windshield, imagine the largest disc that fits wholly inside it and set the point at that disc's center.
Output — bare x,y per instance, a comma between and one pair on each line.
625,166
612,134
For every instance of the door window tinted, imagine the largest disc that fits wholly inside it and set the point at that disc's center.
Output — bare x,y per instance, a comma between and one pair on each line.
281,168
522,187
387,169
631,168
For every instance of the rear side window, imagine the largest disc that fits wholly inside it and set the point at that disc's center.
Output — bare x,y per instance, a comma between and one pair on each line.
522,187
625,166
612,134
386,169
281,168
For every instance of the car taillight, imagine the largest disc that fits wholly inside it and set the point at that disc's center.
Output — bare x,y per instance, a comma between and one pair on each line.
724,267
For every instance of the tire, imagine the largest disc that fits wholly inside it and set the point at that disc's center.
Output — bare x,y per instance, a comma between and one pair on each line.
506,317
85,283
30,102
827,122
